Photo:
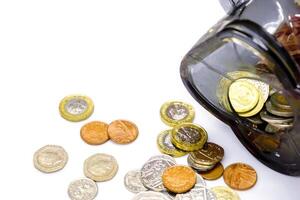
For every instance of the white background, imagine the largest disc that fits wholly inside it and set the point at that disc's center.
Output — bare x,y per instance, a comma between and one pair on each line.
125,55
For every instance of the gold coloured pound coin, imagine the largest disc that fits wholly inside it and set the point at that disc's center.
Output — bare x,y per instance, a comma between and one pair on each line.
189,137
243,96
173,113
76,108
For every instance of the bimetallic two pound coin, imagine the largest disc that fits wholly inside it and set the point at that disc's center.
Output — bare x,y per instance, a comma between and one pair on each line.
94,133
50,158
100,167
152,170
243,96
179,179
176,112
240,176
225,193
122,131
133,181
189,137
165,145
76,108
82,189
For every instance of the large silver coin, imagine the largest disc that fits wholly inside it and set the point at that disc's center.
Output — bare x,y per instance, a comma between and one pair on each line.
200,181
197,193
50,158
151,172
100,167
274,119
278,111
133,181
82,189
150,195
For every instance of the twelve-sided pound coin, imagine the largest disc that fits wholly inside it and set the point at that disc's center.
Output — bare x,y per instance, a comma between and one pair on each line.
50,158
100,167
82,189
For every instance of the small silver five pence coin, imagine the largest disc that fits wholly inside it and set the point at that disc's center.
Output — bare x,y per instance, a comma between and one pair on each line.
133,181
82,189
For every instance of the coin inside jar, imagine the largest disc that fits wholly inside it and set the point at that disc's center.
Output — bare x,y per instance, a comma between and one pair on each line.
82,189
280,101
76,108
122,131
179,179
240,176
176,112
100,167
94,133
50,158
189,137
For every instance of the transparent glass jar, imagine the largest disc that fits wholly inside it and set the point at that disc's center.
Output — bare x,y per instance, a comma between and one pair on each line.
258,41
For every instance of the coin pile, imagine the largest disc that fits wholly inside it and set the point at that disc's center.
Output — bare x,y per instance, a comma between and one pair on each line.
162,178
254,100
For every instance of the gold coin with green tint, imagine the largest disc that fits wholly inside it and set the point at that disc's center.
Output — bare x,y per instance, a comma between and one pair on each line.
243,96
173,113
189,137
76,108
165,145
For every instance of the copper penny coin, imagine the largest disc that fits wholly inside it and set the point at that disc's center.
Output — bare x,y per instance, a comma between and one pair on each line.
240,176
214,173
179,179
94,133
122,131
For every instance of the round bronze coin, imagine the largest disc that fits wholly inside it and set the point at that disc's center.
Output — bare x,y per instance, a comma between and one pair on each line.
94,133
210,154
179,179
240,176
214,173
122,131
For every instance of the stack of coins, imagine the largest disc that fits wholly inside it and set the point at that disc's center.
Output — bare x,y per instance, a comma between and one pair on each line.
254,100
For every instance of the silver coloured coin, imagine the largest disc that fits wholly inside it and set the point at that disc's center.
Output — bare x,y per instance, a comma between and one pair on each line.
278,111
82,189
197,193
50,158
100,167
200,181
151,172
255,120
133,181
177,111
76,106
150,195
274,119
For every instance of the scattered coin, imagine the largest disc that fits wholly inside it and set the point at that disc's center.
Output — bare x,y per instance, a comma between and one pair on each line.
278,111
198,166
100,167
133,181
150,195
240,176
165,145
122,131
94,133
83,189
176,112
197,193
76,108
210,154
50,158
200,181
214,173
225,193
151,172
243,96
179,179
189,137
